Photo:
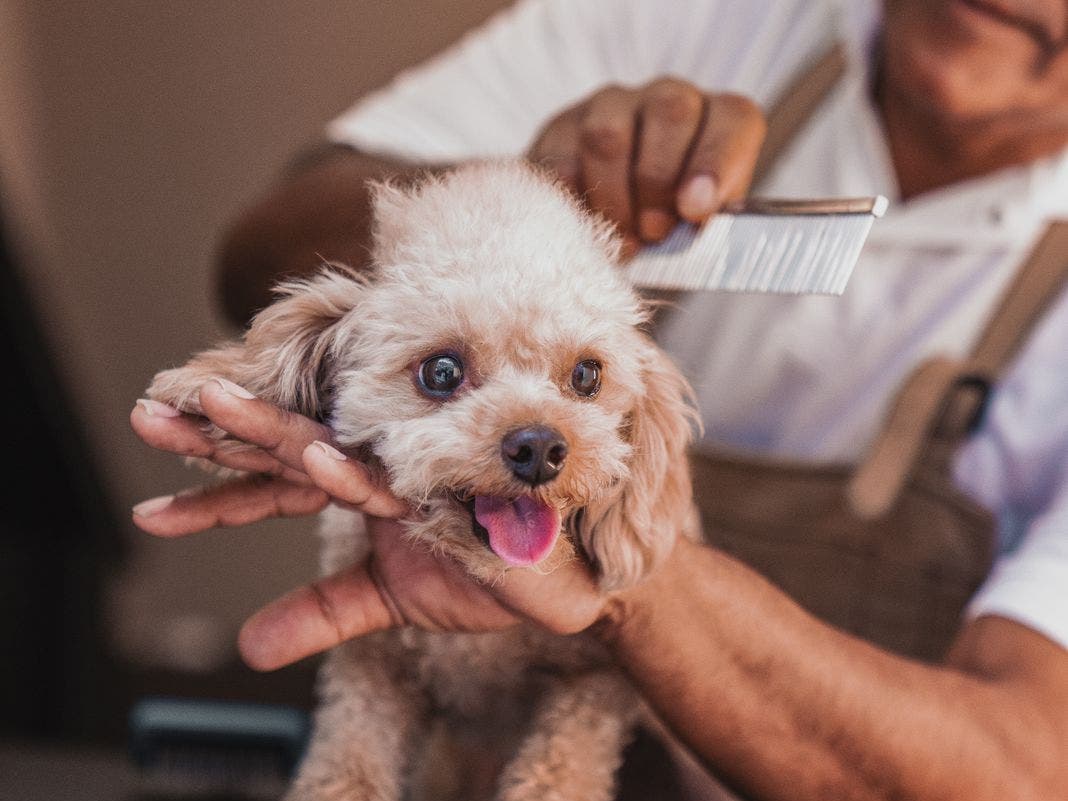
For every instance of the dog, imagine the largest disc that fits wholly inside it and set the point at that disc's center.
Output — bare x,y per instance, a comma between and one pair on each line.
493,366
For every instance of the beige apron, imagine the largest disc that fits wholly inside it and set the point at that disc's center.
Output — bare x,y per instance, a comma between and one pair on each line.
888,550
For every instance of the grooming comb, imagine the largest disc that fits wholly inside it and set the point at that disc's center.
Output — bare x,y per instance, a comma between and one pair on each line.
788,247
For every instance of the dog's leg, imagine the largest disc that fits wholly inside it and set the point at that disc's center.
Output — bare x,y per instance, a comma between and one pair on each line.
576,744
364,731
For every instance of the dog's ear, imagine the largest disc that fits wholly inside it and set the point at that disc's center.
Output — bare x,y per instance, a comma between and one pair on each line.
282,356
629,533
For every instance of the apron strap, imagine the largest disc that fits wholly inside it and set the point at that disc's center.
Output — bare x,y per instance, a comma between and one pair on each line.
919,405
945,397
796,104
1036,286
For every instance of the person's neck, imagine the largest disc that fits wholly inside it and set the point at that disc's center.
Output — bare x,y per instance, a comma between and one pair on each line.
928,153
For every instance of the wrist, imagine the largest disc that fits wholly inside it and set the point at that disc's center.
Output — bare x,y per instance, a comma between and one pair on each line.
629,613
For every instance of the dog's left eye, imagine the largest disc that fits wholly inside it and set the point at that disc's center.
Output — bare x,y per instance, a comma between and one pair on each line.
586,378
440,375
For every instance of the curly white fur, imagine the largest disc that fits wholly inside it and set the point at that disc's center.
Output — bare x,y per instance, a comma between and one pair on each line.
500,266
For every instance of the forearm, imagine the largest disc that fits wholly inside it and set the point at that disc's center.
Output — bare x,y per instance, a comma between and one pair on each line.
786,707
320,211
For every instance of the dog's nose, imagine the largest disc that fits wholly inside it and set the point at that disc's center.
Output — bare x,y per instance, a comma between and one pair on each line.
534,454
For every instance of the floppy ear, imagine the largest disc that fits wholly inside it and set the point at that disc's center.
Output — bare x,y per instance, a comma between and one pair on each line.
630,533
282,358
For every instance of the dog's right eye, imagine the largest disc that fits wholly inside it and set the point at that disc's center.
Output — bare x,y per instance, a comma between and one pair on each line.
441,375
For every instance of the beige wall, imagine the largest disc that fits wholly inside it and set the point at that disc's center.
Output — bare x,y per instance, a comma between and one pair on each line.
130,131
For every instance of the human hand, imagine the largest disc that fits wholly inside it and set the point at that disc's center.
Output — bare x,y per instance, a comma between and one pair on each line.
647,157
298,472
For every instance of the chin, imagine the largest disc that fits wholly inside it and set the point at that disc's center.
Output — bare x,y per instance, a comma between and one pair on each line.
962,65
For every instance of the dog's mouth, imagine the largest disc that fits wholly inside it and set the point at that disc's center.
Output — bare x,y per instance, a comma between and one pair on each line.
521,531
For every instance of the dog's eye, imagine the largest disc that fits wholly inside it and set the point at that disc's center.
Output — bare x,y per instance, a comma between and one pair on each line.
586,378
440,375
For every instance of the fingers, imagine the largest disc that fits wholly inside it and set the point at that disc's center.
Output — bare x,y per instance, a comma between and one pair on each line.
721,163
646,158
288,448
404,585
607,147
671,117
314,618
557,149
167,429
566,601
351,482
236,502
282,434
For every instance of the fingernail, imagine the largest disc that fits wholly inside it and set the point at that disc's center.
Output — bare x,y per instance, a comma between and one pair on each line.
630,247
233,389
655,224
153,506
332,452
698,198
157,409
251,647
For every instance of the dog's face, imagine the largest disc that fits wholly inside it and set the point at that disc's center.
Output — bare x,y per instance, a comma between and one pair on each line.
494,367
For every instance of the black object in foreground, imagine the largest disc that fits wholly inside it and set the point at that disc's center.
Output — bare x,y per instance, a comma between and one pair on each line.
213,749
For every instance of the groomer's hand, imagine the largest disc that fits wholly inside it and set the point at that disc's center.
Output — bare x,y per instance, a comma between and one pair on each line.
298,472
647,157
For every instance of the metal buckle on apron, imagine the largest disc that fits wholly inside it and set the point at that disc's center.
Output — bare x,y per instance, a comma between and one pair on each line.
983,387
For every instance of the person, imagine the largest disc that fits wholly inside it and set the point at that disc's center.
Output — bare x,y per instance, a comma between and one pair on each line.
957,110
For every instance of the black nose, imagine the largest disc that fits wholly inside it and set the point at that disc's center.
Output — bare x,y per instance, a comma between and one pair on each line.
534,454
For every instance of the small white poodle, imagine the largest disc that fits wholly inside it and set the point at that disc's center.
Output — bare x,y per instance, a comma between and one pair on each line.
492,365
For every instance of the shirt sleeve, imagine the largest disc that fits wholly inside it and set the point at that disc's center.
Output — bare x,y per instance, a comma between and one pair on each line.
489,95
1030,585
1019,462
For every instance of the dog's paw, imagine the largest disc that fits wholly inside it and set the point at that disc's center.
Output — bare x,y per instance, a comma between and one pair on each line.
180,389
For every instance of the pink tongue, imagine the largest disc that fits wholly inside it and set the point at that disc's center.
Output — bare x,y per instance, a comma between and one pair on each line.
522,531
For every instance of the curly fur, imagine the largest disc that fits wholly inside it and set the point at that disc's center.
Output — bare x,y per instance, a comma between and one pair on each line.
500,266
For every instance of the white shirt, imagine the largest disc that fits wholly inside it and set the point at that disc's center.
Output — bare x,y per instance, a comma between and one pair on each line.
812,377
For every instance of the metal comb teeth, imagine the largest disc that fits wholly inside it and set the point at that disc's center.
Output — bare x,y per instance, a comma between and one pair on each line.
763,245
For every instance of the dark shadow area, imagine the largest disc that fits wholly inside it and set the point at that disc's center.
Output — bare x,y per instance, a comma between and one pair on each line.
58,539
64,698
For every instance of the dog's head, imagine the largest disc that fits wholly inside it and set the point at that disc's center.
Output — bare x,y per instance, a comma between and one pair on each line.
494,366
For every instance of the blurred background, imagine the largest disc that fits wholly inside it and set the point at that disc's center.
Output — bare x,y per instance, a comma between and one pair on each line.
131,131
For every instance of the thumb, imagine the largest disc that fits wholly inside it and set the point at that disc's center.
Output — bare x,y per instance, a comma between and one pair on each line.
314,618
